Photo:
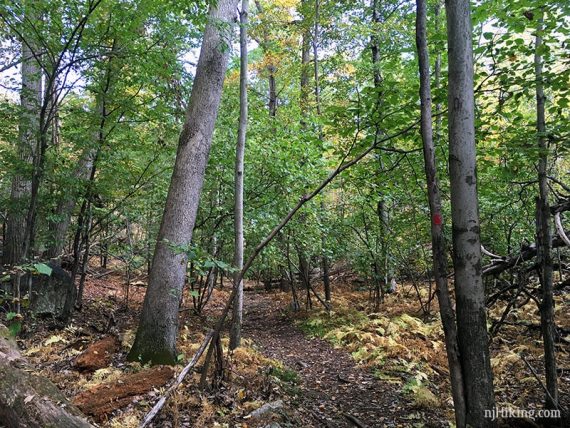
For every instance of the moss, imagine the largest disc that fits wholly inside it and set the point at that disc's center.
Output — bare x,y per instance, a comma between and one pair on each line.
285,375
152,356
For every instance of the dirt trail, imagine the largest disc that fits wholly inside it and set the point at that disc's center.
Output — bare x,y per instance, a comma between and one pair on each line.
332,386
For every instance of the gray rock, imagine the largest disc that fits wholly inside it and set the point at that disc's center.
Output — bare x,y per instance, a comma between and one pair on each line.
53,295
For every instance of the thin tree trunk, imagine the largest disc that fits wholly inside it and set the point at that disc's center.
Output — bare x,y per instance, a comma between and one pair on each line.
235,331
325,260
304,272
437,75
543,234
272,91
437,235
66,205
469,287
305,71
295,299
29,128
85,261
158,329
382,211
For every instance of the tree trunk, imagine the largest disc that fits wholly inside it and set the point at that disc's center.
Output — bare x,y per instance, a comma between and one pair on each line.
543,238
65,207
272,91
235,331
382,211
29,128
325,260
156,335
437,235
469,287
305,60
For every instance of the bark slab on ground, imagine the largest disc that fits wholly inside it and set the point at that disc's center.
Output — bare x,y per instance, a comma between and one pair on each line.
98,355
103,399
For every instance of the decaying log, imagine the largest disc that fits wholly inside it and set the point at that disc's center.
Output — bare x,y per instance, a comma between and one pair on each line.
105,398
98,355
29,400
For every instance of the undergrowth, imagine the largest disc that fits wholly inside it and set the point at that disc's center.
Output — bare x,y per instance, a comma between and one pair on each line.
400,349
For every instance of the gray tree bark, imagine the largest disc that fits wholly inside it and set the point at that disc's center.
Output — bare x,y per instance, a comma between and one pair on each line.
543,230
437,235
382,210
469,287
66,205
235,331
29,128
158,328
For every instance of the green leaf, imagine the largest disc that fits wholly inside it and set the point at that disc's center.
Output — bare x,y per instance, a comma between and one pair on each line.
43,269
15,328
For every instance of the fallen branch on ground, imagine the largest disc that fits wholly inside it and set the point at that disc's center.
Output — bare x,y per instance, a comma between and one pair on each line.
526,253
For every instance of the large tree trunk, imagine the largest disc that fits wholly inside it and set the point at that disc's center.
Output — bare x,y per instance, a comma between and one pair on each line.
47,407
235,332
543,234
437,235
469,287
156,335
29,128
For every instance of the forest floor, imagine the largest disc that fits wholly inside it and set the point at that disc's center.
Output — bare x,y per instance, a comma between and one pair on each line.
333,390
312,368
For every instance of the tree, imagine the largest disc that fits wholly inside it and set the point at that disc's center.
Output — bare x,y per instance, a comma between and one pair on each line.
158,328
543,234
469,287
235,334
437,235
29,129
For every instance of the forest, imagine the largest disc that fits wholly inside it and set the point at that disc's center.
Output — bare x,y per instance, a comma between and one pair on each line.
284,213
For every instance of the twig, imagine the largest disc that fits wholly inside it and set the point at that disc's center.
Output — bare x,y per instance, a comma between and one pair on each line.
533,371
158,406
354,420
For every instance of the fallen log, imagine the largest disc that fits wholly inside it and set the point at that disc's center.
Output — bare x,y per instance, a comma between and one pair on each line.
103,399
29,400
527,252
